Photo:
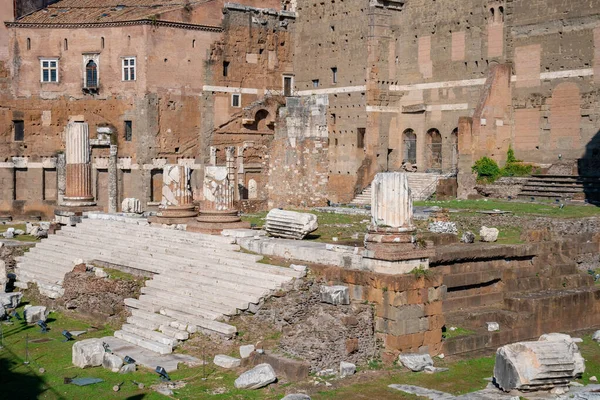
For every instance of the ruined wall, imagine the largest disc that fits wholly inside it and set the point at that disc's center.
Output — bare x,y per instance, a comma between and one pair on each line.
299,154
334,35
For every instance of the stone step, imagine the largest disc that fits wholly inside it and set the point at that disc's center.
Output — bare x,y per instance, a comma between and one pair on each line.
149,233
150,335
143,323
156,318
174,233
34,271
220,327
189,301
161,303
137,340
146,306
174,333
212,293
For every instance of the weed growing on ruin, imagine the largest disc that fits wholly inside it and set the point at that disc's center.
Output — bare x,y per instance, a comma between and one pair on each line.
420,272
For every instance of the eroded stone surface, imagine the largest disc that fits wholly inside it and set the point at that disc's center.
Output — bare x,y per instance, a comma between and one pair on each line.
257,377
228,362
88,353
290,224
34,314
488,234
415,362
335,295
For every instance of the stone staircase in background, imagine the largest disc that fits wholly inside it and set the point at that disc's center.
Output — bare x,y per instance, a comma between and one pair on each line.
423,185
198,280
572,187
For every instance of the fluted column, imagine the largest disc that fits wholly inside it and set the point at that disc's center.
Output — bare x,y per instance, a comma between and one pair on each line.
391,202
176,193
78,166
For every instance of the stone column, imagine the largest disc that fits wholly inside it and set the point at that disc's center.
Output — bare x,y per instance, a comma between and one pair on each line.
113,198
176,194
391,201
61,175
78,166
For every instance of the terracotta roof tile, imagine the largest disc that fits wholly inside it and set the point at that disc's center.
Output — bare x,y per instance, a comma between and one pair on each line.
101,11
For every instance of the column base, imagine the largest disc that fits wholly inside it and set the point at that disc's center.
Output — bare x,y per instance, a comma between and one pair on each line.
214,221
78,201
396,244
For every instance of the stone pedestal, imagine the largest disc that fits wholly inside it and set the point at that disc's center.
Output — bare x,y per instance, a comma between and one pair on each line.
391,244
78,192
176,206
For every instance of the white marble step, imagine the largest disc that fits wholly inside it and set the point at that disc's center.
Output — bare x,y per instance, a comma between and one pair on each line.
150,335
161,303
132,338
146,306
190,301
225,329
143,323
174,333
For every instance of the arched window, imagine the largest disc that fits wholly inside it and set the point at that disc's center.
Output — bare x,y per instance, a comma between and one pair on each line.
28,44
492,14
434,149
501,14
91,75
66,44
102,42
409,144
193,43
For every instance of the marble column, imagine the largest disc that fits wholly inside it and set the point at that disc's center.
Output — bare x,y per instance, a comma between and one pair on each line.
78,166
391,201
61,173
176,193
112,180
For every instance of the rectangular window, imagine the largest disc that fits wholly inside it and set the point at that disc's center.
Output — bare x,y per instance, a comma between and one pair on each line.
360,140
334,74
315,83
287,86
225,68
129,65
49,70
19,130
128,131
236,100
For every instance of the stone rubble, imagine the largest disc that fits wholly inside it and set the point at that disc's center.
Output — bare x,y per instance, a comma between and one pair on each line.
88,353
9,233
468,237
33,314
127,369
296,396
415,362
257,377
596,336
493,326
131,206
336,295
112,362
488,234
347,369
246,350
443,227
10,300
290,224
227,362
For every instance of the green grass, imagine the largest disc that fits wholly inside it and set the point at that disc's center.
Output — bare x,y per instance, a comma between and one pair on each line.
20,238
120,275
518,208
457,332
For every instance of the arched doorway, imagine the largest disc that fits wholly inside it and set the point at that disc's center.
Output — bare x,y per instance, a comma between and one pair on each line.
409,145
454,150
434,150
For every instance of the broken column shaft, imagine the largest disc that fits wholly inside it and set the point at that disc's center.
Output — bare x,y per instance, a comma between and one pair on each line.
176,201
78,166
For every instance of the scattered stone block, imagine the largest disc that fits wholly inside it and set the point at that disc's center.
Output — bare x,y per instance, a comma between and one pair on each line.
593,379
347,369
224,361
3,277
112,362
488,234
416,362
326,372
88,353
257,377
493,326
131,206
337,295
45,225
541,365
100,273
34,314
290,224
299,268
127,369
246,350
19,232
468,237
296,396
434,370
9,233
10,300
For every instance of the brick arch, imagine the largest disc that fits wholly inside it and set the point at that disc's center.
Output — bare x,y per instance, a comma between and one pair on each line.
565,117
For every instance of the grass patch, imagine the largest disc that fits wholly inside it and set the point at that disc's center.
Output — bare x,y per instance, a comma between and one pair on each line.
20,238
518,208
120,275
448,334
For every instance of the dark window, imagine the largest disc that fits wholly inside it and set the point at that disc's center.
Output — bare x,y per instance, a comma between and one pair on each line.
334,74
19,129
315,83
66,44
102,42
360,133
28,44
91,75
287,86
225,68
235,100
128,131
